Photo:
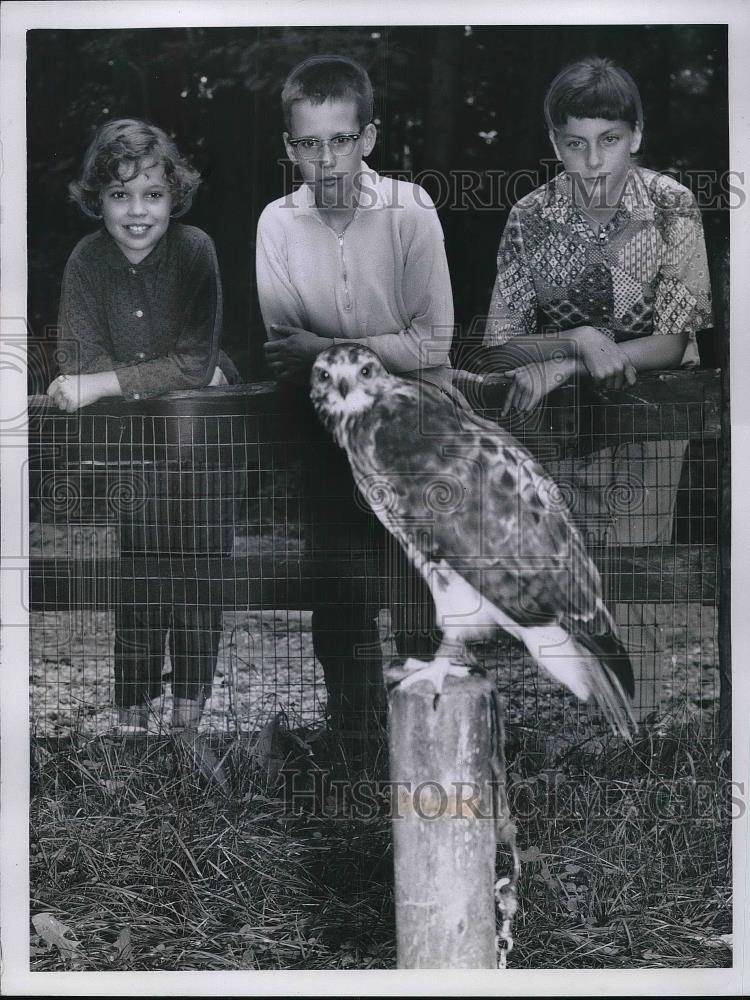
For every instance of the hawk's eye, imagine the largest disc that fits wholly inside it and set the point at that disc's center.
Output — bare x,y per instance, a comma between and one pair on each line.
323,376
365,371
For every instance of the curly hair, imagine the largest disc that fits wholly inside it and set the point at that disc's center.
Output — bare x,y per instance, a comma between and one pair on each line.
319,78
119,151
593,88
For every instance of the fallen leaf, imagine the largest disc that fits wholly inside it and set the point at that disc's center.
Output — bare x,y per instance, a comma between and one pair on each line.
56,933
199,753
719,941
113,787
607,949
531,853
651,956
124,945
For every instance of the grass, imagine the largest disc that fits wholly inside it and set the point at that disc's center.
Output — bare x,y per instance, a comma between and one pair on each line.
631,866
128,840
148,866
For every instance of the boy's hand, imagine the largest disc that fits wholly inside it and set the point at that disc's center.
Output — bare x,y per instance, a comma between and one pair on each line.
608,365
532,382
71,392
291,358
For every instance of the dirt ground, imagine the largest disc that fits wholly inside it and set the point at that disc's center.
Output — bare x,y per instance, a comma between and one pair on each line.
266,664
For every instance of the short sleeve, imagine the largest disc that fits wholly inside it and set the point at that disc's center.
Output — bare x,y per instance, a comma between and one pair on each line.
513,307
682,295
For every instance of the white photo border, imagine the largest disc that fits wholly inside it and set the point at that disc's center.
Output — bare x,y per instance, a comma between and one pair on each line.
15,19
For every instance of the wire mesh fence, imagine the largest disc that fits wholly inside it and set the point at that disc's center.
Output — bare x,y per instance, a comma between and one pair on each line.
176,548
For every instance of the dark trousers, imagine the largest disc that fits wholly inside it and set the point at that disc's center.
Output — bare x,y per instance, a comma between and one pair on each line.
342,531
176,511
140,636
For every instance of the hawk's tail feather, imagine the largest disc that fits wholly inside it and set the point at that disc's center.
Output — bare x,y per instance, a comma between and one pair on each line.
582,665
610,651
610,677
609,695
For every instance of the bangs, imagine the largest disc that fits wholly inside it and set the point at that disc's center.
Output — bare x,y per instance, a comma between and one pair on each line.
607,101
125,168
593,88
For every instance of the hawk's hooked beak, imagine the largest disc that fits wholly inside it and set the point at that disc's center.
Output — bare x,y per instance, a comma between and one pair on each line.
343,388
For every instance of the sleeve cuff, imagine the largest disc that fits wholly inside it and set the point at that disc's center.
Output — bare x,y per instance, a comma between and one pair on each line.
130,383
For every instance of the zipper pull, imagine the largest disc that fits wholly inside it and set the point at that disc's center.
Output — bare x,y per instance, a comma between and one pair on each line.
344,275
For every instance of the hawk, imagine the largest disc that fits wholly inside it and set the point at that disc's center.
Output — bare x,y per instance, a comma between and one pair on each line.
483,524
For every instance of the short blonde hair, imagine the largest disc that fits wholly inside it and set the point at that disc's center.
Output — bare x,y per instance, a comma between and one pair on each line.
319,78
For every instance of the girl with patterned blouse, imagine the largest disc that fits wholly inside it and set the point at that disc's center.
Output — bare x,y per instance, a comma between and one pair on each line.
602,258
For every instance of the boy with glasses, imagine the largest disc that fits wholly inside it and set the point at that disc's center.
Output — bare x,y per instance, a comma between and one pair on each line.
350,256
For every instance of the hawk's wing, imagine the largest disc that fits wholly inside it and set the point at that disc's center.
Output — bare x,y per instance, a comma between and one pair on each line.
463,495
463,489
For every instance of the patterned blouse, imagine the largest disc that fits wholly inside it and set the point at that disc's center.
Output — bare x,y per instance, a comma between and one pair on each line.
645,272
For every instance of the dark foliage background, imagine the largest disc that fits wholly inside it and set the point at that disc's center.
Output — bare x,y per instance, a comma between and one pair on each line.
449,100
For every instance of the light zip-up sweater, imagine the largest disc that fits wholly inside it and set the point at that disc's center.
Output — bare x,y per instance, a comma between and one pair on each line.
383,282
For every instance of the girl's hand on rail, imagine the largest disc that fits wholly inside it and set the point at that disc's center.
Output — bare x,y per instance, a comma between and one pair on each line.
71,392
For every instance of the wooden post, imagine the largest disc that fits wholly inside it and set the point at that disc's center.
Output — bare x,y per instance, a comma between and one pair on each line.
443,826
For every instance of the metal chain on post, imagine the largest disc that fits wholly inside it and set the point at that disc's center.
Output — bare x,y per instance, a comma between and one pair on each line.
506,898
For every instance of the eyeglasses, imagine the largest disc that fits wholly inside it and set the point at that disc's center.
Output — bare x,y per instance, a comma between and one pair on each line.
310,148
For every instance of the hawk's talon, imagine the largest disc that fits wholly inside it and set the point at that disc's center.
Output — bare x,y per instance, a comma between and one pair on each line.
435,672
